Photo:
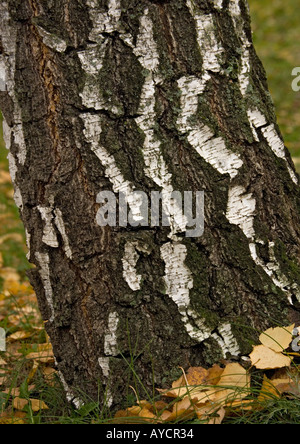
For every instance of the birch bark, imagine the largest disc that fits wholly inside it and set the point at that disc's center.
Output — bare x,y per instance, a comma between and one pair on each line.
125,95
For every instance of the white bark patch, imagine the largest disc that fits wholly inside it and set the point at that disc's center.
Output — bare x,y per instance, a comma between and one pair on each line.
69,393
52,41
278,148
258,120
7,133
7,63
110,339
104,22
272,269
59,222
241,210
104,365
129,261
212,149
211,50
230,344
28,243
49,234
44,260
179,281
218,4
92,134
226,341
146,48
92,58
245,69
156,167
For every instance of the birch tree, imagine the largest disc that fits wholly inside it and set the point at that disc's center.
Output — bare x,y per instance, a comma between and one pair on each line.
141,96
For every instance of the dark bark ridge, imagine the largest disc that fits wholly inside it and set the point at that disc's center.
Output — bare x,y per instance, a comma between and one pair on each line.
147,95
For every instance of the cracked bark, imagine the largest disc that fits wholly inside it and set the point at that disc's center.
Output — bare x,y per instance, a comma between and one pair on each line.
168,95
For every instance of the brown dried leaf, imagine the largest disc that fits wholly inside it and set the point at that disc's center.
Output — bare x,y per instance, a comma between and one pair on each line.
197,376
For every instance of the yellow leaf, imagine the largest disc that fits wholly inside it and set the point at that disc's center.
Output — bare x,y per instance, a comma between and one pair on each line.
268,390
12,421
44,356
264,358
278,339
147,415
36,404
33,371
19,403
19,335
234,384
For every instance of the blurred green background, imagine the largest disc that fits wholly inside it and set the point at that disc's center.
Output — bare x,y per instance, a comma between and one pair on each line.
276,32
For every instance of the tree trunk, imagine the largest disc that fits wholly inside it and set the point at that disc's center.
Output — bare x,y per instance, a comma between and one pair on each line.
124,96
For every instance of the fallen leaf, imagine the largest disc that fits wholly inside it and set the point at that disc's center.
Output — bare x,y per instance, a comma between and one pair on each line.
44,356
214,375
33,371
197,376
15,391
210,414
49,375
268,390
264,358
2,362
4,177
19,403
12,421
11,236
19,335
36,404
235,382
278,339
179,389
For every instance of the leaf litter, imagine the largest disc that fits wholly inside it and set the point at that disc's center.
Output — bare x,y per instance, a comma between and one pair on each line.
28,350
209,395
